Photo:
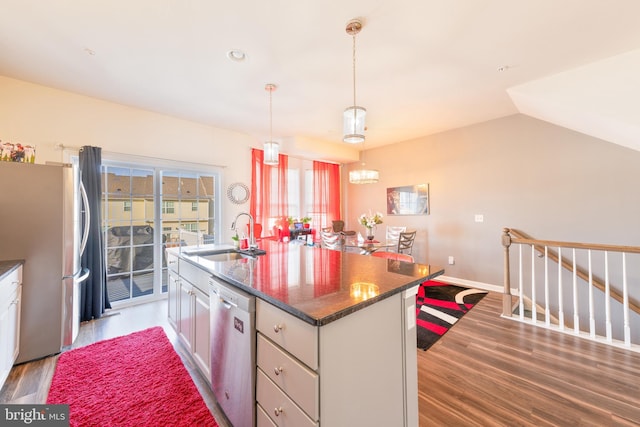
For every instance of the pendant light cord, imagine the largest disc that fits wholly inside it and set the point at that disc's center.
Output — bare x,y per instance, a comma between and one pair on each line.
270,115
354,79
354,94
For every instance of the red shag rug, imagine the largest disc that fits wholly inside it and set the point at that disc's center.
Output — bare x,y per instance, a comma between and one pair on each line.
134,380
439,306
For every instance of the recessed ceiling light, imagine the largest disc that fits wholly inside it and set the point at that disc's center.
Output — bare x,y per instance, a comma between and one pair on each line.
236,55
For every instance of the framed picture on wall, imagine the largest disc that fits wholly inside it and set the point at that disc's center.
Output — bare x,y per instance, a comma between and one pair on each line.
408,200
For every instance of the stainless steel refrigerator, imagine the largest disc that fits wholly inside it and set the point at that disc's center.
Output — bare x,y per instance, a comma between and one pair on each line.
41,221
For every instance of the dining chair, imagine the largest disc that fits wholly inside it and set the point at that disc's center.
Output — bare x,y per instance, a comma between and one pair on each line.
393,233
329,239
338,227
405,242
393,255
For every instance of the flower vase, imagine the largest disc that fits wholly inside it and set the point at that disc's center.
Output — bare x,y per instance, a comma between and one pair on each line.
371,232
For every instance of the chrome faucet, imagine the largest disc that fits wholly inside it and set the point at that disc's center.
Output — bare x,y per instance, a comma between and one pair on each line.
252,238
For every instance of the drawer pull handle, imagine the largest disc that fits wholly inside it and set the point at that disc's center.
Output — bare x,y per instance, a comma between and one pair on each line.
277,411
277,328
278,370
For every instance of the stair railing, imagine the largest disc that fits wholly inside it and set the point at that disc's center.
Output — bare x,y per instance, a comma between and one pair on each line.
547,302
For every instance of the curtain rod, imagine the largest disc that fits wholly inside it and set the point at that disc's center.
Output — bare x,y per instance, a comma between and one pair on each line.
147,158
303,158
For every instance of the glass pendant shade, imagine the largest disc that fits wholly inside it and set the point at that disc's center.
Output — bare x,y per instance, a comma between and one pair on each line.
271,148
353,129
364,176
271,152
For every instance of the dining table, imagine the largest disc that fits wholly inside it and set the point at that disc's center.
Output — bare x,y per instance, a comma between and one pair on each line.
367,247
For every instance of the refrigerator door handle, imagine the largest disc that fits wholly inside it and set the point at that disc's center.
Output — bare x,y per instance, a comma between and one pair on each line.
87,218
80,275
83,275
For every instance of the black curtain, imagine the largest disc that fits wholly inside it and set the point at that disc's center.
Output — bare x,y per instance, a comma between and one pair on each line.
94,298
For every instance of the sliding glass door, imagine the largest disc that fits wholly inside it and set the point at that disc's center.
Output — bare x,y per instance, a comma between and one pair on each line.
145,210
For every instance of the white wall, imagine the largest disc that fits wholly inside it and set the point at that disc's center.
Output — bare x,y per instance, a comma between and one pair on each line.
519,172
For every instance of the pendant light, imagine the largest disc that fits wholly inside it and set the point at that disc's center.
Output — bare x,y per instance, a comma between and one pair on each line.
353,128
271,147
354,120
364,175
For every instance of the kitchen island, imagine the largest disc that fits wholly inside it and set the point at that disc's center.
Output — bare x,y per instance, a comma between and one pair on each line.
335,334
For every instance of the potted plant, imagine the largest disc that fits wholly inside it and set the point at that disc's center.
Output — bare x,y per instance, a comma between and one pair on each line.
306,221
291,221
236,240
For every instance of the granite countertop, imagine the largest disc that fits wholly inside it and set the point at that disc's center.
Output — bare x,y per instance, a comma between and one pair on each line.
317,285
8,266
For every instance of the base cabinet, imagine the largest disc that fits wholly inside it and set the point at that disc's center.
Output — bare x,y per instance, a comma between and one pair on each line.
173,283
188,301
10,304
360,370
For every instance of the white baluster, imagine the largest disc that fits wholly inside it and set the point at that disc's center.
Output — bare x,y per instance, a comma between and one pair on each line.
560,295
576,314
625,298
534,311
607,298
521,302
547,313
592,314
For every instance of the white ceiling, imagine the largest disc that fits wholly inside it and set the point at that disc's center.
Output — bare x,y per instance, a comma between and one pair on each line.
423,66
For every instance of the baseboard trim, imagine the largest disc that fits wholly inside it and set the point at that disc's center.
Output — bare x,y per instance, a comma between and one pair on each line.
470,284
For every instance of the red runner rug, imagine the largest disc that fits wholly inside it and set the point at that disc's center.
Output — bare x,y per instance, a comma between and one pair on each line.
134,380
439,306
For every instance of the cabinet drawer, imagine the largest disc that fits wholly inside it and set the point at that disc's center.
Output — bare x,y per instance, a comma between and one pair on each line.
296,380
262,419
10,283
194,275
172,262
294,335
282,411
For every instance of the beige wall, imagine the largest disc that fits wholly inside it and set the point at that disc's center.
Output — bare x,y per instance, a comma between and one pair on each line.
518,172
42,116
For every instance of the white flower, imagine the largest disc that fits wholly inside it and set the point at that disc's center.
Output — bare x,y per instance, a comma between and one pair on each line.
370,220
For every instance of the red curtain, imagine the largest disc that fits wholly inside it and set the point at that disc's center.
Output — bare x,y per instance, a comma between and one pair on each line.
326,193
268,202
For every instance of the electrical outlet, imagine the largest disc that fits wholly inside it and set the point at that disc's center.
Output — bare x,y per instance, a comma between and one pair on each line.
479,218
451,260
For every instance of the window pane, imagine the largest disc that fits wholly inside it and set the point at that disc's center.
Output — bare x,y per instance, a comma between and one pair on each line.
188,213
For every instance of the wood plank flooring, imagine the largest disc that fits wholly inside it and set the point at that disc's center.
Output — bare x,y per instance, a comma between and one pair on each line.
490,371
486,371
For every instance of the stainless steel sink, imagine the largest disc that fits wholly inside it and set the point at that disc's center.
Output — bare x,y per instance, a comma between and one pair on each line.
224,256
221,255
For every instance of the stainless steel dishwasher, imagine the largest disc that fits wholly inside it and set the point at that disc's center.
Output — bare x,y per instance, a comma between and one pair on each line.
233,355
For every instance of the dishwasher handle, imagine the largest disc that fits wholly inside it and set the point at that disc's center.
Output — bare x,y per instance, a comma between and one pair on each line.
225,302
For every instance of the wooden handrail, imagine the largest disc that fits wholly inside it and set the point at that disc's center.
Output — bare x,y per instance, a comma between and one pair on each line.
522,238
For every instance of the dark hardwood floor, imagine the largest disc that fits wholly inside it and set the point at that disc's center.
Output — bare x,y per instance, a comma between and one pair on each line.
490,371
486,371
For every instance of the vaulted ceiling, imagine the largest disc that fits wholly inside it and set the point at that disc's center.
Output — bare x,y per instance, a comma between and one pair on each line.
423,66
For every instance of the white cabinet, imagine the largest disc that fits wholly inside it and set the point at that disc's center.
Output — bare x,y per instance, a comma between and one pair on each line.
359,370
173,283
188,301
201,347
10,302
